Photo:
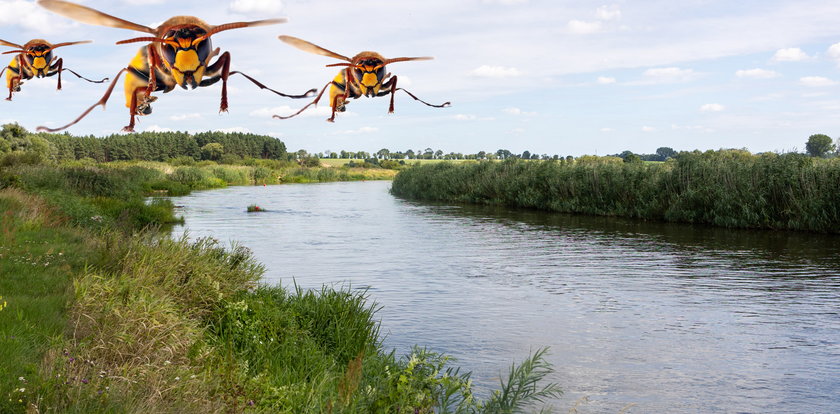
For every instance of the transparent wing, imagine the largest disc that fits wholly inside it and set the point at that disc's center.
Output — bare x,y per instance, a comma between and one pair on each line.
10,44
90,16
311,48
57,45
405,59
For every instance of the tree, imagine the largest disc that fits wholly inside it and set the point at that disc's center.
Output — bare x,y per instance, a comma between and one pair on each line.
819,145
632,158
212,151
383,153
526,155
626,153
665,152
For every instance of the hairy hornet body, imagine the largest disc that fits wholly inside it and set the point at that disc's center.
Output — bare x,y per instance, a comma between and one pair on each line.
179,52
368,79
363,75
176,61
35,59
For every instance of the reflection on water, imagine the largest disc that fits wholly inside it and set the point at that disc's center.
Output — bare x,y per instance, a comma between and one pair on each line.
673,318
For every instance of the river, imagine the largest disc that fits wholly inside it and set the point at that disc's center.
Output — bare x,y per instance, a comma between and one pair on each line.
647,317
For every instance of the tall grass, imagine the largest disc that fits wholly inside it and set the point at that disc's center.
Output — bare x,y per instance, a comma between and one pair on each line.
101,316
729,188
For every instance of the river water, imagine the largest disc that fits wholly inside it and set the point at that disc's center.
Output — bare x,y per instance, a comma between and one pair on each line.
646,317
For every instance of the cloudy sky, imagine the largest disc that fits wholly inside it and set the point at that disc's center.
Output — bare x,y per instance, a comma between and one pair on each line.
570,78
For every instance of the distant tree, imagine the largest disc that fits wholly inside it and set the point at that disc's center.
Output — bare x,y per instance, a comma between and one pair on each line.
481,155
410,154
632,158
438,154
665,153
526,155
212,151
819,145
626,153
503,154
383,153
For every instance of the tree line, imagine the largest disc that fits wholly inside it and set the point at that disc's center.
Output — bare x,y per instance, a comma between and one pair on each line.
426,154
144,146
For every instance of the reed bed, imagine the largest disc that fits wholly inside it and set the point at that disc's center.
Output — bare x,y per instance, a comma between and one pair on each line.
728,188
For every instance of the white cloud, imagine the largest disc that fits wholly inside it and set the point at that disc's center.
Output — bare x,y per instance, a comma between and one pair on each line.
256,6
712,107
605,80
31,17
486,71
157,128
648,129
791,54
239,129
612,12
816,81
404,81
671,74
184,117
607,130
834,52
757,73
582,27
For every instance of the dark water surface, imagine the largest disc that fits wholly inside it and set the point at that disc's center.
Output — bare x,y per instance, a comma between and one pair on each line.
671,318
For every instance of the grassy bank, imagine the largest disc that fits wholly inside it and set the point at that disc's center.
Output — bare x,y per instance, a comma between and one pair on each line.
728,188
99,315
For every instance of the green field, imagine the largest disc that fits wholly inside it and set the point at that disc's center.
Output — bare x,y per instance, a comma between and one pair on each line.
339,162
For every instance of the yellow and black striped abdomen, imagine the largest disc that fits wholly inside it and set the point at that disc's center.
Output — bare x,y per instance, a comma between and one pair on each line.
14,70
339,85
137,77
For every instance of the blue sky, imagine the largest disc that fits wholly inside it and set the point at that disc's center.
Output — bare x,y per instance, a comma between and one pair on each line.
571,78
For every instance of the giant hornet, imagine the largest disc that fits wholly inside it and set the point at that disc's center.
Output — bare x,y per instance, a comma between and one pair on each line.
35,60
179,54
364,75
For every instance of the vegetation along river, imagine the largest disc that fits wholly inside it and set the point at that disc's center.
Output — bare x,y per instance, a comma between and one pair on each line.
671,318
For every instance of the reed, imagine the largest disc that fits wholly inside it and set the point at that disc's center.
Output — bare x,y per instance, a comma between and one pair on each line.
729,188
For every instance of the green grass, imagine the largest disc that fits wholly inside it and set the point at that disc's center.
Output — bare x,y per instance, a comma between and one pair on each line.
38,260
103,314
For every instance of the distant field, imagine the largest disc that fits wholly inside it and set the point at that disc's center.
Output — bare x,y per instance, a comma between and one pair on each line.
338,162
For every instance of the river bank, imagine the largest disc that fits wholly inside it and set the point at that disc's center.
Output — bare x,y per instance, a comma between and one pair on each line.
726,188
104,314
